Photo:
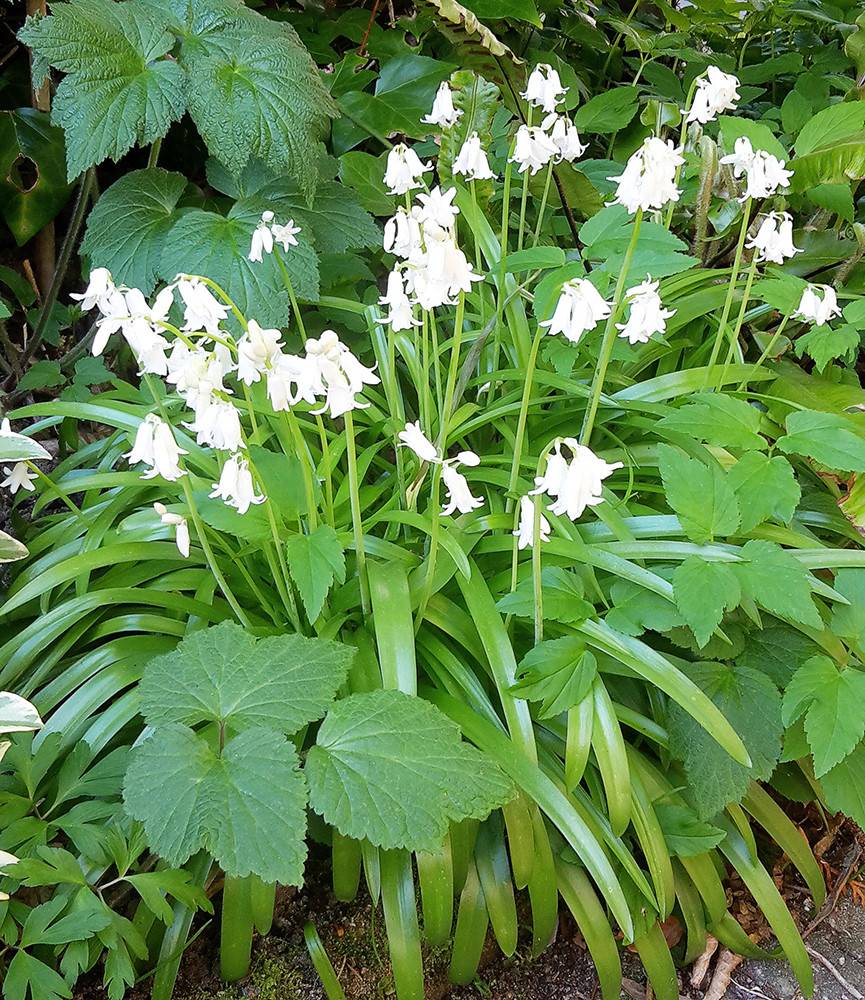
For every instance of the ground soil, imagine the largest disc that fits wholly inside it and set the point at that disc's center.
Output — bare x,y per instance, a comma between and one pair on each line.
353,936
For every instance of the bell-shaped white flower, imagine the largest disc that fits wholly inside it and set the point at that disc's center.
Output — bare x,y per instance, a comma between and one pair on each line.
443,111
181,528
342,375
18,477
818,305
579,309
150,350
218,424
6,428
471,161
236,486
292,378
469,458
533,149
262,238
197,373
100,288
155,446
402,235
114,313
574,484
201,309
716,93
764,173
648,181
257,350
399,305
404,171
525,531
459,495
415,439
648,315
565,136
774,239
285,235
438,208
544,89
440,274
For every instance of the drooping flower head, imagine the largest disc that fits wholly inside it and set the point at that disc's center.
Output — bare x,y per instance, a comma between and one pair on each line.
525,531
341,375
544,89
201,309
400,315
576,483
716,93
565,137
459,494
262,238
98,292
413,437
764,173
648,181
405,170
18,477
178,522
257,350
774,239
533,149
443,111
402,235
471,162
818,305
579,309
155,446
648,315
236,486
437,208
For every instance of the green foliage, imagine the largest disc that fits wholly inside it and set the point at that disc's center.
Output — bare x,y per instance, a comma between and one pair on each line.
391,769
752,703
127,81
559,673
704,591
699,493
315,562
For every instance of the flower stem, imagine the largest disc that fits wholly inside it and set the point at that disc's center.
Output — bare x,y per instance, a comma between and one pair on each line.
292,298
357,524
537,582
728,301
543,207
609,335
734,336
55,489
776,336
519,437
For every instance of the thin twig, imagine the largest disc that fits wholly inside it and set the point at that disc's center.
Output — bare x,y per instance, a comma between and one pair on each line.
362,49
830,968
830,904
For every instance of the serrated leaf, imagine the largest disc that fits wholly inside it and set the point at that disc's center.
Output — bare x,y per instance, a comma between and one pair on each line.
637,609
117,91
765,487
557,672
752,705
314,562
42,375
391,768
833,703
608,112
826,343
718,419
831,439
155,888
685,833
778,650
700,494
704,591
217,246
245,806
844,786
128,226
848,620
224,674
562,597
777,581
49,866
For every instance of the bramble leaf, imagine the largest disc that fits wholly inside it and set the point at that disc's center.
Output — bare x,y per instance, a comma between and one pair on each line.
637,609
704,591
829,438
778,650
833,703
778,582
558,672
844,786
245,806
391,768
719,419
752,705
826,343
765,487
700,494
314,562
562,595
223,674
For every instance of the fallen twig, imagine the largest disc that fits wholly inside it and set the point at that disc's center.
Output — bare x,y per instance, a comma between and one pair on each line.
830,904
830,968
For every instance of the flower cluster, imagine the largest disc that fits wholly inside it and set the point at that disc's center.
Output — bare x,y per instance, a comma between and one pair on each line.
557,138
574,483
433,270
716,93
649,180
459,495
269,233
818,305
764,173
